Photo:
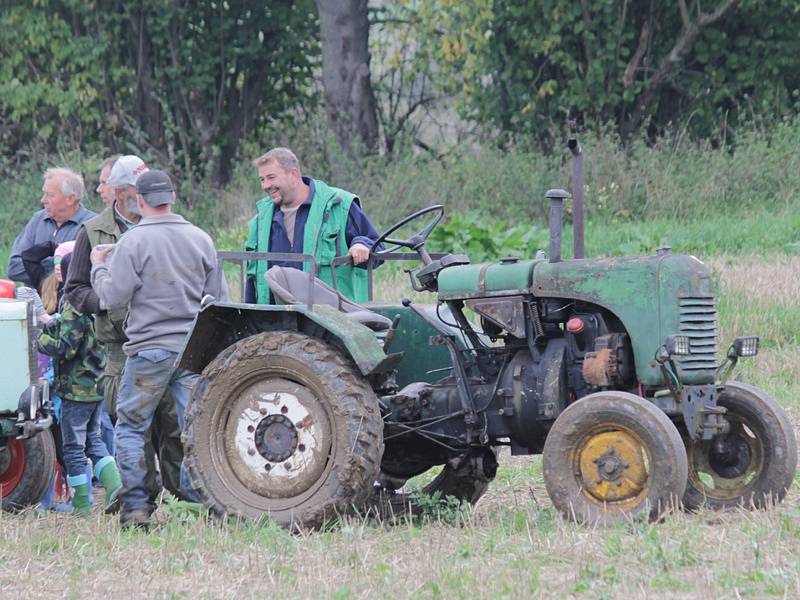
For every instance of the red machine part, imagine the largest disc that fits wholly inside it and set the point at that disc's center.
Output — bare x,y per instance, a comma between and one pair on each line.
575,325
12,472
7,289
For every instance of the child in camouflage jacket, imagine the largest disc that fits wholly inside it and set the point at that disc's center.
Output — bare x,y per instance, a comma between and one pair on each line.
78,363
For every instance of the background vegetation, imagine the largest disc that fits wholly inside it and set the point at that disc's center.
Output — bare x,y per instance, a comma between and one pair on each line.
684,109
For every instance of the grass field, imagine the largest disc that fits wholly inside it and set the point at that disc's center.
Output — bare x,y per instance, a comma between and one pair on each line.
511,545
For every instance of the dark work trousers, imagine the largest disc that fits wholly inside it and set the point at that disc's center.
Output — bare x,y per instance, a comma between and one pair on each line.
163,446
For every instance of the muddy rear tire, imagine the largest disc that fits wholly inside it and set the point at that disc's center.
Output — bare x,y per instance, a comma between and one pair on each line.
613,456
757,459
283,425
27,468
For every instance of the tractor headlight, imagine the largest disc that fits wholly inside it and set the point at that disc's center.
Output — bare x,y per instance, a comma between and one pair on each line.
674,345
745,346
677,345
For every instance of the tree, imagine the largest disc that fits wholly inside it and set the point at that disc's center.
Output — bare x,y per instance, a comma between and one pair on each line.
401,74
349,99
184,81
538,67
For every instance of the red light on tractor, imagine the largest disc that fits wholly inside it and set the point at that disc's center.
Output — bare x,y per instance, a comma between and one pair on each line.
575,325
7,289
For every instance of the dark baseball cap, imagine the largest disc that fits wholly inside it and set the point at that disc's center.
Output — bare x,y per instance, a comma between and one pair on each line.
156,188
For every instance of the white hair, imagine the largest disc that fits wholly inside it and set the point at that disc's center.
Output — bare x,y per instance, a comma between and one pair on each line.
71,182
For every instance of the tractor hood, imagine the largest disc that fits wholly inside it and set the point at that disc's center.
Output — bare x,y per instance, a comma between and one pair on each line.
653,296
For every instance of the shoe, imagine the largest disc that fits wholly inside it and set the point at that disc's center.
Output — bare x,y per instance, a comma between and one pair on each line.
108,475
79,487
139,519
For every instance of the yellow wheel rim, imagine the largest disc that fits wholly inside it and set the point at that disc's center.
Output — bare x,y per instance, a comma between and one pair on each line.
613,467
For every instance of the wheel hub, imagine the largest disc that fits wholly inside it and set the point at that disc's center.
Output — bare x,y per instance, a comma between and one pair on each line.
609,466
731,457
725,467
276,438
612,467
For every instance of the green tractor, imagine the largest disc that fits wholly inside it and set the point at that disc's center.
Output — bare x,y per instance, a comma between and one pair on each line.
607,367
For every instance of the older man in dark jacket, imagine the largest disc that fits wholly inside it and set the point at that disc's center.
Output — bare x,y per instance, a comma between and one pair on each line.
59,221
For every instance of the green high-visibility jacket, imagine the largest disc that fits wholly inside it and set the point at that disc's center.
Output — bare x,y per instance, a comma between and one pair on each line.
323,237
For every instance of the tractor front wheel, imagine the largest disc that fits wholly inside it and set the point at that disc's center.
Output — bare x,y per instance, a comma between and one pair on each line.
751,465
613,456
283,425
26,470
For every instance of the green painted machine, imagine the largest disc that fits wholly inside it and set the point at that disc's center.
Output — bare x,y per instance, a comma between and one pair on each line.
607,367
27,450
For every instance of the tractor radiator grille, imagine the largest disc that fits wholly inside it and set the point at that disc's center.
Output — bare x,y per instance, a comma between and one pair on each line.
698,320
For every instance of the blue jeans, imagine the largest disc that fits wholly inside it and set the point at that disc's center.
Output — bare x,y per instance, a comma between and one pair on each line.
145,381
80,435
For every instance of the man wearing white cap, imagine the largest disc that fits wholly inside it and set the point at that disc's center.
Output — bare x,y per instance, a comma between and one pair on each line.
160,270
107,228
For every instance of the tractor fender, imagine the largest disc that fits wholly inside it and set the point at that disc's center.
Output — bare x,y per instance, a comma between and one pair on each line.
221,324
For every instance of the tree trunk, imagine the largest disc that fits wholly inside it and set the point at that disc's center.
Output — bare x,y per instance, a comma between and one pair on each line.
349,101
670,63
146,108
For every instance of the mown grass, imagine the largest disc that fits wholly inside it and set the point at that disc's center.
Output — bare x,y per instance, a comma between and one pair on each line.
511,545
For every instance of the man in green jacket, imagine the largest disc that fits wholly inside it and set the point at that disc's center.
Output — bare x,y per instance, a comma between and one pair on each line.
301,215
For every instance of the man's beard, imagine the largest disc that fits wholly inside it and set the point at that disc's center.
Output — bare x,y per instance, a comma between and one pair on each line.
131,206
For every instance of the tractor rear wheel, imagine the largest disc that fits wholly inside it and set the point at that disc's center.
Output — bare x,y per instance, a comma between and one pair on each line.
613,456
751,465
26,470
283,425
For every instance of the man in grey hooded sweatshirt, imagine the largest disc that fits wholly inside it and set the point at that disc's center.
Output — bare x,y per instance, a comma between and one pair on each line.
160,269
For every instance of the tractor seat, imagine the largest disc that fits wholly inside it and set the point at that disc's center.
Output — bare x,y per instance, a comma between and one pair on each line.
290,286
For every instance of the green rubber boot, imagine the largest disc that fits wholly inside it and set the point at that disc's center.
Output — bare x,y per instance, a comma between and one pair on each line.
107,473
79,486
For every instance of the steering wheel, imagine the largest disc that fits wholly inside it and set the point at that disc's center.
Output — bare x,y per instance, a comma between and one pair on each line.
417,241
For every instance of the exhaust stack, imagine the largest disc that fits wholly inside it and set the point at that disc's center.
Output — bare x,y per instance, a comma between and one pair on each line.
556,197
577,197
